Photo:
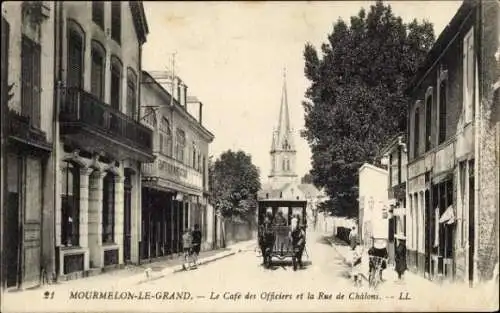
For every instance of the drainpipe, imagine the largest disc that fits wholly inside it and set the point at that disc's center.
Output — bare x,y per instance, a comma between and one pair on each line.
477,138
58,53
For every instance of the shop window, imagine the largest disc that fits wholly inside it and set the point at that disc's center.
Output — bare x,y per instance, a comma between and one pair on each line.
98,55
70,205
132,94
108,208
116,21
30,81
98,13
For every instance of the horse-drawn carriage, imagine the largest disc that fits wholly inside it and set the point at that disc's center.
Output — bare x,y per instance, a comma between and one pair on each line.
282,227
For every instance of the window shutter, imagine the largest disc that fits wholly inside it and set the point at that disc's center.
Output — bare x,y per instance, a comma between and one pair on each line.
35,116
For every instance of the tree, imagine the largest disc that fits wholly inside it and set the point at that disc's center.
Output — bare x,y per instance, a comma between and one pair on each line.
356,99
234,183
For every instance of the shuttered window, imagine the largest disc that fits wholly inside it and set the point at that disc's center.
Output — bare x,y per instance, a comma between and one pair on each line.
428,122
442,111
180,145
165,137
98,13
116,21
416,132
468,75
75,60
30,81
97,83
131,95
116,74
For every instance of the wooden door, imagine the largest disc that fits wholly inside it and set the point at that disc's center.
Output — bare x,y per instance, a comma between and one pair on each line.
12,227
127,203
32,222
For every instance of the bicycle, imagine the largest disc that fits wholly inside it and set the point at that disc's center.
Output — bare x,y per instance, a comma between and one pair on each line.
376,266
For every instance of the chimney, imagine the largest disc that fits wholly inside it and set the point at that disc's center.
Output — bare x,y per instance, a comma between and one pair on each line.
201,111
185,96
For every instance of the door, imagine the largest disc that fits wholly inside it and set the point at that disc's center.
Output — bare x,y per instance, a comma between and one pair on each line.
12,228
427,216
471,222
32,222
127,203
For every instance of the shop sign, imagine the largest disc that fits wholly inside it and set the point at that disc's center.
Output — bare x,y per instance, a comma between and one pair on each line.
445,159
416,168
416,184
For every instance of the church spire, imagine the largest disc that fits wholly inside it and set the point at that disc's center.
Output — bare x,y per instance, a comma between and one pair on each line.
284,117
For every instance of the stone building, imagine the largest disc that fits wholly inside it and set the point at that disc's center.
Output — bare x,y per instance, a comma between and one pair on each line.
283,181
28,138
453,177
175,185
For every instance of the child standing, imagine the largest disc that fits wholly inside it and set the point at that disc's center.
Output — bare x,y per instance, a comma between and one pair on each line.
357,252
186,246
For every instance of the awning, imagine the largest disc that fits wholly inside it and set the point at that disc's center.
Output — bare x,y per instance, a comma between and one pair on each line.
448,216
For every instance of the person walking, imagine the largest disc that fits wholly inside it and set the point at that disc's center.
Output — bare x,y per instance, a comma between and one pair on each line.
298,244
196,243
186,246
400,256
353,237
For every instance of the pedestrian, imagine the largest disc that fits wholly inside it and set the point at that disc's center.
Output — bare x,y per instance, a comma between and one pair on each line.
353,237
356,258
298,244
186,247
379,249
196,243
400,256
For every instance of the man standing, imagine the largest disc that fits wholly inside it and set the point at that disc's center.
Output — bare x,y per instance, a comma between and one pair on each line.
298,243
196,243
186,246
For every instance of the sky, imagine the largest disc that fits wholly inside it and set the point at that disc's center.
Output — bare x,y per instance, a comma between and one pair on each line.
232,54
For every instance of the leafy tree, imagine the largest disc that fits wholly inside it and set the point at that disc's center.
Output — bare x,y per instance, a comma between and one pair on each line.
356,99
234,183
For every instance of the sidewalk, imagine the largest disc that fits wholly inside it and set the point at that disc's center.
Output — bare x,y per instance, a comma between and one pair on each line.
390,275
136,274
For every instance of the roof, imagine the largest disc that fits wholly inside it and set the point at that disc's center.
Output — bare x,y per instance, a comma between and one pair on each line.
372,167
441,43
310,189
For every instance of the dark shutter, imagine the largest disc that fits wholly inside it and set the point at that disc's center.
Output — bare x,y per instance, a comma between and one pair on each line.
416,131
116,19
30,81
442,112
36,91
98,13
428,123
115,87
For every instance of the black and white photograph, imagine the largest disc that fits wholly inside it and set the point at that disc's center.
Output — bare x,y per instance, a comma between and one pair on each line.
250,156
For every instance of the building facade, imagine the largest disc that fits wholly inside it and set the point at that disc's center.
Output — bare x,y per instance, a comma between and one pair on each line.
373,211
453,177
75,144
395,157
27,142
175,185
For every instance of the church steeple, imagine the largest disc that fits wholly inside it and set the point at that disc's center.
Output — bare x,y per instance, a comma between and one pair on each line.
283,148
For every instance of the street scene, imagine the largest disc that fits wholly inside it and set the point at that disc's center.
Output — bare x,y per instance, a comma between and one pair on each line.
250,156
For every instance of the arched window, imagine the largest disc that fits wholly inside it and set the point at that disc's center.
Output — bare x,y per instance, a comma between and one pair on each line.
165,137
180,144
116,85
97,71
76,40
131,94
108,208
428,118
70,205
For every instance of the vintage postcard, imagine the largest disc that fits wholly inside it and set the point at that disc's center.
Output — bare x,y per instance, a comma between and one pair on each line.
250,156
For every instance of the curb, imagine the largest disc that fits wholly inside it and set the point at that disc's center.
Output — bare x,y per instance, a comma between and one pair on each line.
174,269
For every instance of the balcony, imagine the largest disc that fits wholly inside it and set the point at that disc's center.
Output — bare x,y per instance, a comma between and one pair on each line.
96,127
22,133
168,173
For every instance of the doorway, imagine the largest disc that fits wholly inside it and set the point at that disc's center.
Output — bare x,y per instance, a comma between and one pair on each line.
13,228
127,207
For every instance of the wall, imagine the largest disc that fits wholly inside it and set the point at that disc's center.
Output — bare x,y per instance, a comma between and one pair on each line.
489,133
373,186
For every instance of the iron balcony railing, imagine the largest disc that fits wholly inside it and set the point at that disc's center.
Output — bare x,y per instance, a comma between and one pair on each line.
83,107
